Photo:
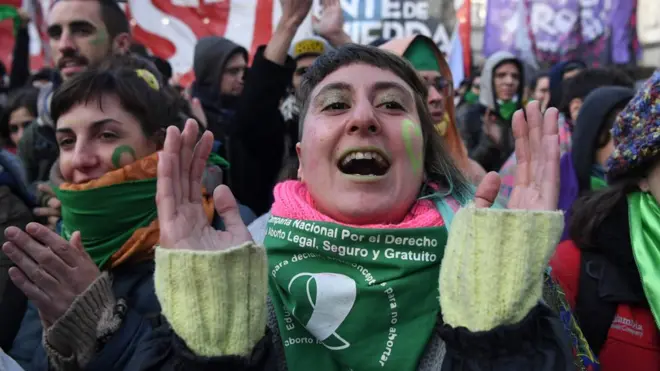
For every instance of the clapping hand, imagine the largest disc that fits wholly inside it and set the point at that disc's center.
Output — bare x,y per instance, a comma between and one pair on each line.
537,153
51,271
183,222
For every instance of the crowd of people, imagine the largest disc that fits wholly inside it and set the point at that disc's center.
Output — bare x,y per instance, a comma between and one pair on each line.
327,206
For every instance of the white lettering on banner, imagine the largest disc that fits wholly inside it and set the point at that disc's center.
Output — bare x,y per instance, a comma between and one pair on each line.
369,20
548,24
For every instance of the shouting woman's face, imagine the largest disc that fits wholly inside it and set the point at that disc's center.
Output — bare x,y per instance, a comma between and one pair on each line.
97,137
361,153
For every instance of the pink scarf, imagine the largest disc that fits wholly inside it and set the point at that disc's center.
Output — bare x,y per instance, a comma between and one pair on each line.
293,201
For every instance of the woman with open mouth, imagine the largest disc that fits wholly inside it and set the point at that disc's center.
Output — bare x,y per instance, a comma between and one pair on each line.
360,269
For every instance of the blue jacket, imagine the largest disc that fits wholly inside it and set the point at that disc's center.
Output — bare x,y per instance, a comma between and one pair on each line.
135,284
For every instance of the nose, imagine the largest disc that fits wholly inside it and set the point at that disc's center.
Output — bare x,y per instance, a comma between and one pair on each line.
84,158
434,95
65,42
508,79
363,120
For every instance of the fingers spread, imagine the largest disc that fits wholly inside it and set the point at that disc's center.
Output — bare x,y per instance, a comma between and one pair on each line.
488,190
522,150
550,181
227,208
173,148
200,157
188,141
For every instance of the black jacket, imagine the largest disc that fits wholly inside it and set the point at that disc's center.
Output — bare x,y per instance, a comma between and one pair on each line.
251,130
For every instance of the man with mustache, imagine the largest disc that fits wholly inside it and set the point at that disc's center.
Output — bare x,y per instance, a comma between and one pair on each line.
81,33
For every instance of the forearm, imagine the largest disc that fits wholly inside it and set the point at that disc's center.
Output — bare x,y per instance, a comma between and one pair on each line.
214,300
278,46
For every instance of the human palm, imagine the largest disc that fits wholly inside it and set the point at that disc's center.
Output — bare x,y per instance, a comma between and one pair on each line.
331,21
537,172
183,221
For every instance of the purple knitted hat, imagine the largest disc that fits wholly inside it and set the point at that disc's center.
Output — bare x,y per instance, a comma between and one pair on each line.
636,132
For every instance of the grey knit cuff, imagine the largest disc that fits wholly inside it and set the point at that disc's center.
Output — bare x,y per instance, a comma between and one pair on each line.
71,341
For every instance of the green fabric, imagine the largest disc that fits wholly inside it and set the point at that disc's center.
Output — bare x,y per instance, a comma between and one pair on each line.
644,219
10,12
597,183
422,56
507,109
107,216
216,159
471,97
386,274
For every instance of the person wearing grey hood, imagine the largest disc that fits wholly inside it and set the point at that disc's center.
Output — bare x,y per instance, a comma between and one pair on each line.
242,109
500,96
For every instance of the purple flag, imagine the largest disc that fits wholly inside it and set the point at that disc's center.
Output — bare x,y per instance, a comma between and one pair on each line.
595,31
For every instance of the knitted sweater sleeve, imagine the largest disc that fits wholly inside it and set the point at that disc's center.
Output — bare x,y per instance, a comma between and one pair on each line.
492,270
220,309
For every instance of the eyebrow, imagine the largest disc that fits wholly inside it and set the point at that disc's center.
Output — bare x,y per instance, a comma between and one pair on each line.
379,86
73,24
94,126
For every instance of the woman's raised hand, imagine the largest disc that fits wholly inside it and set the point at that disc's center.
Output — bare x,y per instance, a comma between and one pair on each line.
537,172
183,222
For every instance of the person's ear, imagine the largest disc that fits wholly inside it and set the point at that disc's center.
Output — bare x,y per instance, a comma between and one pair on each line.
121,44
644,185
300,170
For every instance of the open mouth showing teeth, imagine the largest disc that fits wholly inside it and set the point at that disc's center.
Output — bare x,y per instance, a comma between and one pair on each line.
371,163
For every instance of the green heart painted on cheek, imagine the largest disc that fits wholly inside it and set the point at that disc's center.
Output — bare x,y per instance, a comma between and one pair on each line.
116,155
410,131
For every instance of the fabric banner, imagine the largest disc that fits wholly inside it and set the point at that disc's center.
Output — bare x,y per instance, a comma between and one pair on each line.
171,28
596,31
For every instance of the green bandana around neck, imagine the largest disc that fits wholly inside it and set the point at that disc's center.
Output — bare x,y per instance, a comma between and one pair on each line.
421,55
507,109
644,219
597,179
353,298
471,97
107,216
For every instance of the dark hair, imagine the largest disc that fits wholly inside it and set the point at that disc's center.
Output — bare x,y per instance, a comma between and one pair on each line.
139,49
155,109
25,97
588,80
537,77
604,135
438,164
114,18
590,210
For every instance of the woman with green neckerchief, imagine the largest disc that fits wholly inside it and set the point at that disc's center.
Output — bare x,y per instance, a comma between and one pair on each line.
91,291
359,269
610,268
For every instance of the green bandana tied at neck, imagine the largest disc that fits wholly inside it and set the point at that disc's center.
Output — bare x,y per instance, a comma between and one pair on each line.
507,109
108,216
644,219
353,298
421,55
471,97
597,179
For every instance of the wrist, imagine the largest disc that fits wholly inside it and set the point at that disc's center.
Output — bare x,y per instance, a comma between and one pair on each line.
287,26
338,39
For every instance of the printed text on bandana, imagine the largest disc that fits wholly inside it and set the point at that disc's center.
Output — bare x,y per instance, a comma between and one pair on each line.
366,298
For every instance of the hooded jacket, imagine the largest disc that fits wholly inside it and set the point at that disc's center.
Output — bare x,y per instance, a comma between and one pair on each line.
481,147
249,128
211,56
577,166
487,96
557,78
452,138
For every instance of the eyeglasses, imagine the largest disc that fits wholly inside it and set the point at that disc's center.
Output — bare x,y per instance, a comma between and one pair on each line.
439,83
16,127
